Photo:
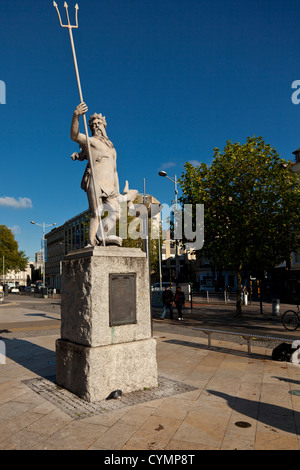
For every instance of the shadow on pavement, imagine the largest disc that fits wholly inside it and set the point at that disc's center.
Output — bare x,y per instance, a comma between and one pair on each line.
33,357
45,315
284,379
218,349
271,415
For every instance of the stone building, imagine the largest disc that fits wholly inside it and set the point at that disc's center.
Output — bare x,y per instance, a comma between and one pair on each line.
60,241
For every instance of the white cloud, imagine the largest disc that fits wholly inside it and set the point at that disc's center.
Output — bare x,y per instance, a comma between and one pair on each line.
195,162
20,203
15,229
166,165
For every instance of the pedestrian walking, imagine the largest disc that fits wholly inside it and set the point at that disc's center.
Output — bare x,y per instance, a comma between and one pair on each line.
179,301
227,290
167,299
244,295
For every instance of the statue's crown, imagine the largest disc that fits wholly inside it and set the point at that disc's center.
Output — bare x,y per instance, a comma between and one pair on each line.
98,116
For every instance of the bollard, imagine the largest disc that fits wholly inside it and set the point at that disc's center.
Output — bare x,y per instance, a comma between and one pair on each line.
2,352
45,292
276,306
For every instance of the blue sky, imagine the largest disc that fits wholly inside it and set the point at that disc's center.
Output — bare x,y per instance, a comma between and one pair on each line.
174,80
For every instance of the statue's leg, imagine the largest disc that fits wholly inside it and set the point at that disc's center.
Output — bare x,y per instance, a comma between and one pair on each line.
94,221
111,206
94,224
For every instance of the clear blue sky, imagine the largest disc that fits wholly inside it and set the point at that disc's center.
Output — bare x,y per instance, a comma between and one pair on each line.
174,79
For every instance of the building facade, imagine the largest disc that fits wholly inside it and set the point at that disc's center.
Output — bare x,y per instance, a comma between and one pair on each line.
18,278
295,258
286,277
70,236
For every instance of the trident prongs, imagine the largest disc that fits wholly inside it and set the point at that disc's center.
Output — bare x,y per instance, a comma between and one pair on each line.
76,14
55,5
67,12
69,25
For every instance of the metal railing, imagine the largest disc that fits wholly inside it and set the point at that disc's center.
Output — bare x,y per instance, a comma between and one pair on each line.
249,337
213,297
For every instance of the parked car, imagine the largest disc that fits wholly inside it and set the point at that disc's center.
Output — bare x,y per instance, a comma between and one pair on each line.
14,290
30,289
210,289
156,286
39,285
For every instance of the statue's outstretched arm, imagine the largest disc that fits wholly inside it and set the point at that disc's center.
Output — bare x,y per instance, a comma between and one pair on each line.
79,156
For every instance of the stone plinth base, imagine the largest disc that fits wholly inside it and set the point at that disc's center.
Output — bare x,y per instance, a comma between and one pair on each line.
93,373
106,339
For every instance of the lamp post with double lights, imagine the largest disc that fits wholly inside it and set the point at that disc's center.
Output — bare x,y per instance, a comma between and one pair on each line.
174,180
43,225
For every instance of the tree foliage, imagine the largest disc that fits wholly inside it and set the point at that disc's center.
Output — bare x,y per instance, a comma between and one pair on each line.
251,200
14,259
139,243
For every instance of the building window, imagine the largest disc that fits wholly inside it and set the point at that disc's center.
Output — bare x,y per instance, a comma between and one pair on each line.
297,257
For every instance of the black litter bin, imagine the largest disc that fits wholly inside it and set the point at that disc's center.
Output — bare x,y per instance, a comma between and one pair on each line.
45,292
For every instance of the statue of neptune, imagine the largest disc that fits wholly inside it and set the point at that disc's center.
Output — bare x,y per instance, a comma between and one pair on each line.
106,179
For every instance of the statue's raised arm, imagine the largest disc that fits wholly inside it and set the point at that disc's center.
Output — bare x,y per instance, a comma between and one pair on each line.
75,134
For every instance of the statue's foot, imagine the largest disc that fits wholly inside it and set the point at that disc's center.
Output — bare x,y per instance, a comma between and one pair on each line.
110,240
113,240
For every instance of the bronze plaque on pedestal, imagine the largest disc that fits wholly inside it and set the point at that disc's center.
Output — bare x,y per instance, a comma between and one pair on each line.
122,299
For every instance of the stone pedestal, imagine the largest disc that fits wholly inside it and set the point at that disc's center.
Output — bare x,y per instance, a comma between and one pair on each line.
106,339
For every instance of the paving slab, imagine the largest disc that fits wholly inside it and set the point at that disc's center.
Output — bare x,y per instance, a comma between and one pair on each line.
217,398
220,389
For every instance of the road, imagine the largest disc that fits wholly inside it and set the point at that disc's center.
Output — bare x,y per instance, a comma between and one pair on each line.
222,317
20,314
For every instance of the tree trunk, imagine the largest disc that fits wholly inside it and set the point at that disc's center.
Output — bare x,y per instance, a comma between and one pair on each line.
239,290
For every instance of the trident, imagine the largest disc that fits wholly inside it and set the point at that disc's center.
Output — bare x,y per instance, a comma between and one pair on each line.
70,27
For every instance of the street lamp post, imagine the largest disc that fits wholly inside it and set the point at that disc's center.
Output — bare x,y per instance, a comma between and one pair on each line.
174,180
43,225
159,257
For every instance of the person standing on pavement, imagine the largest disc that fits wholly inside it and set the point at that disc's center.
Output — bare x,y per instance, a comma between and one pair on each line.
167,299
244,293
227,290
179,301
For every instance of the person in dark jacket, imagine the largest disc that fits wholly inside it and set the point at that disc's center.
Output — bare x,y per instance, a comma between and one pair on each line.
179,301
167,299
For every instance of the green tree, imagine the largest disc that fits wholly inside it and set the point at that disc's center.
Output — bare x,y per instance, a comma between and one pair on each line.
251,203
15,260
139,243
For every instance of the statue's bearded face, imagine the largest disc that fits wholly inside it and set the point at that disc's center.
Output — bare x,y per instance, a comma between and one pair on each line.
97,128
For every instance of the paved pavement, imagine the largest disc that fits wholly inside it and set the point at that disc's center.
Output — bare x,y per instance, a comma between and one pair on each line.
217,398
